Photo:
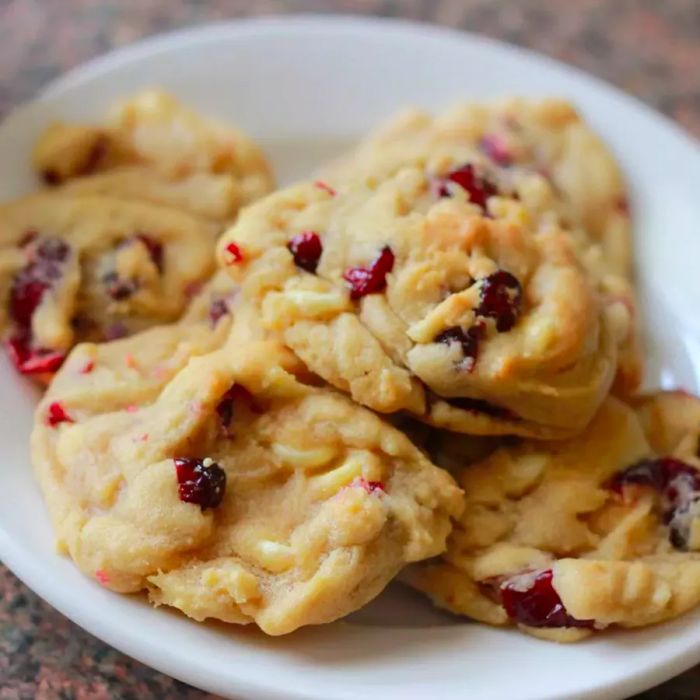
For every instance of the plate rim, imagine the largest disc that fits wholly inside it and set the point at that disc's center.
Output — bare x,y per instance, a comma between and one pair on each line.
163,40
30,571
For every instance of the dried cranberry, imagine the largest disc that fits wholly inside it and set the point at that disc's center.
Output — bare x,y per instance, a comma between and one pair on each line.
466,403
57,414
675,468
202,482
370,279
495,148
52,250
678,484
33,360
306,248
530,599
25,297
371,486
501,299
117,288
658,473
235,253
681,506
647,472
469,340
32,281
155,249
217,310
477,187
42,362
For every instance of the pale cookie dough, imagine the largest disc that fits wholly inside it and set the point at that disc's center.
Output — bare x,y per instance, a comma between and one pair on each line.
567,538
236,491
474,315
157,149
78,268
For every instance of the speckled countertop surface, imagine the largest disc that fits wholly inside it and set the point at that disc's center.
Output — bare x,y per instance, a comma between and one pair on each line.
650,48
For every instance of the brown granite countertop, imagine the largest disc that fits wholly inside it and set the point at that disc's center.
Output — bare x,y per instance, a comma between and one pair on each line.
650,48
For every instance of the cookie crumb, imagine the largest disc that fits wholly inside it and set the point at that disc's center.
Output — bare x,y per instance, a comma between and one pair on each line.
375,487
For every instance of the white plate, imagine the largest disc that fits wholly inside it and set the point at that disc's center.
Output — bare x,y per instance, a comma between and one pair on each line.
304,87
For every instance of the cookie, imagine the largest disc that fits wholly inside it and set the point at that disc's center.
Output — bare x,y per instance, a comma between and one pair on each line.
76,268
565,539
191,161
449,301
236,491
540,151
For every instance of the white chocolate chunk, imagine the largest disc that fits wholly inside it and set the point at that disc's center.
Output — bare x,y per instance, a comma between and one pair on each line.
274,556
279,307
304,459
358,464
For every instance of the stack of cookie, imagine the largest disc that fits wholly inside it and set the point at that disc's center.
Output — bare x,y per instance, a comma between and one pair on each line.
123,235
423,364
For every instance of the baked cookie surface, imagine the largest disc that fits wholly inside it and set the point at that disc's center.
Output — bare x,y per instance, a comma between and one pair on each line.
541,149
208,195
157,149
78,268
443,297
227,487
570,537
